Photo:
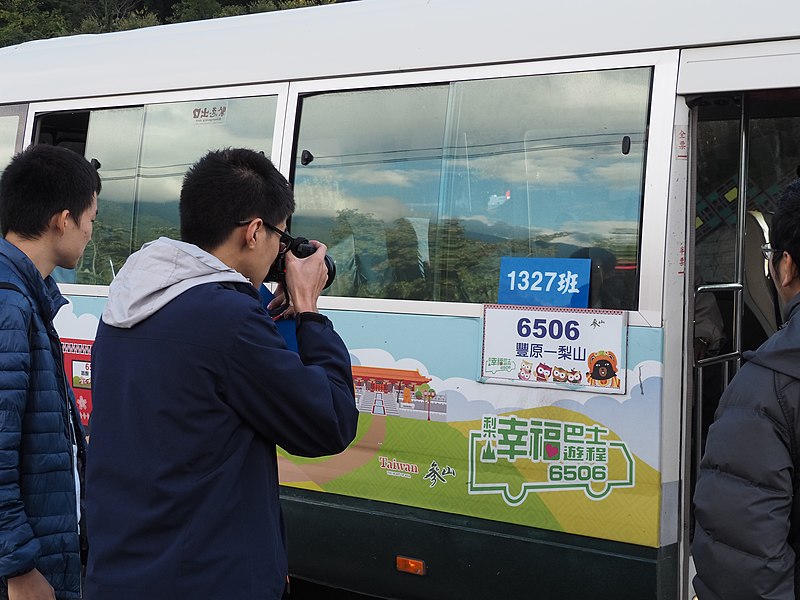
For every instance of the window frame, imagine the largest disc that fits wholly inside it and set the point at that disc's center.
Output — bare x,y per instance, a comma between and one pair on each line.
20,111
657,165
661,142
133,100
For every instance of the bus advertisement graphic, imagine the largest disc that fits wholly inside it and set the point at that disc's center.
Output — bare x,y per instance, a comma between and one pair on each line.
431,435
576,456
78,367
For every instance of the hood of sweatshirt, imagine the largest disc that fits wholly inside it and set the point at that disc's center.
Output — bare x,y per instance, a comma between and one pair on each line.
781,352
157,274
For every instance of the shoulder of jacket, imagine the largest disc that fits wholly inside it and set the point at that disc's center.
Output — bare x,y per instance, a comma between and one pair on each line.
14,293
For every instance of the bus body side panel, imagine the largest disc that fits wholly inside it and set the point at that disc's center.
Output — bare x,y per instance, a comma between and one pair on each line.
492,523
340,540
422,488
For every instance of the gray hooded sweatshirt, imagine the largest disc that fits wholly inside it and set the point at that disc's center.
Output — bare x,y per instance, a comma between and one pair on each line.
158,273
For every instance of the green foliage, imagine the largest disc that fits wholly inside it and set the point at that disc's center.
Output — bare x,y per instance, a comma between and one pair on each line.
25,20
135,20
194,10
132,20
232,10
286,4
259,6
421,389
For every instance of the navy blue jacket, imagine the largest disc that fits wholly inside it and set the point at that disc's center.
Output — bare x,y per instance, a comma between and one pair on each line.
38,505
189,404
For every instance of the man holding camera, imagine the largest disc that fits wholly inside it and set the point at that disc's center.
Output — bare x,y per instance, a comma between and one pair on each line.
193,389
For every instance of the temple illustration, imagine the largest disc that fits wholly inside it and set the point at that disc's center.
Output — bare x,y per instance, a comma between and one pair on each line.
399,393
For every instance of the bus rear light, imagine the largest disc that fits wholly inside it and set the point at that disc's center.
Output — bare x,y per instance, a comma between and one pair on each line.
411,565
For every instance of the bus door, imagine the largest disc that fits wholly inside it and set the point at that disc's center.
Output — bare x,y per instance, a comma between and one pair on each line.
747,150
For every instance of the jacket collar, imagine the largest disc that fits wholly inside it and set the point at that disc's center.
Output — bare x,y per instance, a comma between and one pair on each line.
45,291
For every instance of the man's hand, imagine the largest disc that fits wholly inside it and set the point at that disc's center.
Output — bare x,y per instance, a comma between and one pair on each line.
306,278
30,586
278,300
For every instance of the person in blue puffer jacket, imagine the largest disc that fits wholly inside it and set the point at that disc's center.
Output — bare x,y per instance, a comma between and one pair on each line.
48,201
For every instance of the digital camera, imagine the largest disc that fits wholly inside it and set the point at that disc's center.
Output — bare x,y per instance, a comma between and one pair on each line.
301,248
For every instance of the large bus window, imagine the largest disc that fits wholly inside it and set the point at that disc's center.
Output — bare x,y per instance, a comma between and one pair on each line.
418,192
143,153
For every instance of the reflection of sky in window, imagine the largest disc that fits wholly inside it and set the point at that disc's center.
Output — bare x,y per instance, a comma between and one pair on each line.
171,140
513,150
174,139
527,145
113,139
8,139
377,151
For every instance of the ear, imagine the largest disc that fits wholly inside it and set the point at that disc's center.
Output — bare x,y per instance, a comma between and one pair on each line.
788,274
254,229
59,221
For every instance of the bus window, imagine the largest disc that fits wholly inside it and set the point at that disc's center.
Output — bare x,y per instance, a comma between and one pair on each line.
419,191
113,138
367,162
143,153
8,139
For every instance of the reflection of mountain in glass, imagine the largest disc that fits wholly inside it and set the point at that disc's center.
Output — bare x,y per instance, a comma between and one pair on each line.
456,260
111,242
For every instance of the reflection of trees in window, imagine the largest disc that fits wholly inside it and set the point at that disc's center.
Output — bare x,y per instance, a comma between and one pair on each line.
410,267
109,245
452,263
366,237
447,262
111,242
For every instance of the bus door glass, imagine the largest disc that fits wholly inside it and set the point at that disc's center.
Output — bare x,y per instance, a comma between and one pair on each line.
748,150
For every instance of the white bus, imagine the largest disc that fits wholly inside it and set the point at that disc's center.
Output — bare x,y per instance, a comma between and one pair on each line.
524,201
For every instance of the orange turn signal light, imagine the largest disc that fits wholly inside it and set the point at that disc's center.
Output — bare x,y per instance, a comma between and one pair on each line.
411,565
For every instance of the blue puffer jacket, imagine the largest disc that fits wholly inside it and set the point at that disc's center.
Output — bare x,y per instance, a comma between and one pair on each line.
38,504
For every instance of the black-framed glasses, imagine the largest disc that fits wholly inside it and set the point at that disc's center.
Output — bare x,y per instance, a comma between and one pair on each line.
286,239
767,251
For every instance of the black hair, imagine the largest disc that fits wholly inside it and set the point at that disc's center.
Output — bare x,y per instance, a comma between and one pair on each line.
226,187
42,181
784,231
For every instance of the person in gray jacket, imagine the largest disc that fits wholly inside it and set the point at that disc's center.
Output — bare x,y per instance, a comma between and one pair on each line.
747,518
193,389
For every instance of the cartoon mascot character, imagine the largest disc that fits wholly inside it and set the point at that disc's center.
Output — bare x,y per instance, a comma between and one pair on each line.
525,370
603,369
543,372
560,375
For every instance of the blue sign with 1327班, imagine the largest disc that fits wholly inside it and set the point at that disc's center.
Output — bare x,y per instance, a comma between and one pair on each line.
544,281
